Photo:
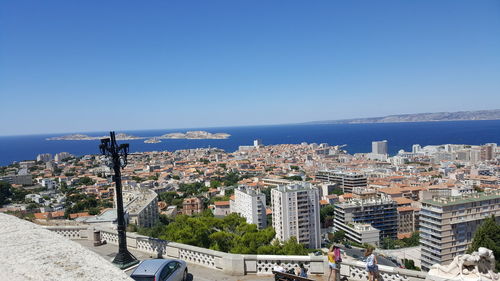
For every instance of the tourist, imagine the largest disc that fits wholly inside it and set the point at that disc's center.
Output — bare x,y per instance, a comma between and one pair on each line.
371,264
278,267
302,271
332,264
297,270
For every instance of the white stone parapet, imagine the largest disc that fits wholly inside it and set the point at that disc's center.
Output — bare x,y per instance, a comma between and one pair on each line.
235,264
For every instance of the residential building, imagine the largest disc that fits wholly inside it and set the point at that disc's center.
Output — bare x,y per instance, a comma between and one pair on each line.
45,157
379,212
379,147
141,204
191,206
251,205
447,225
346,180
295,209
18,179
61,156
222,208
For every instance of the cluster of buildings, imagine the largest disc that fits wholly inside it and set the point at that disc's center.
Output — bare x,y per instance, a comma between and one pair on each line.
441,191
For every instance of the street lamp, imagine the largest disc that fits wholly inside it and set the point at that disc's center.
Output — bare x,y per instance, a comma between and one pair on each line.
118,157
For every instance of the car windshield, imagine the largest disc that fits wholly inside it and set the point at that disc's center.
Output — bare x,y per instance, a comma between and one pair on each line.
143,278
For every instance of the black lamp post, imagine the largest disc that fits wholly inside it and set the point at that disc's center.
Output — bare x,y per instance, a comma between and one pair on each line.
118,157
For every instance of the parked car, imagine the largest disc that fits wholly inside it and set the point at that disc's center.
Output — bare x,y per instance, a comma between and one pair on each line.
161,270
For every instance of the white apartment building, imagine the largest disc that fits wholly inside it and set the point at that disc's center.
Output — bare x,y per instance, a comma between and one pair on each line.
379,147
141,204
296,213
251,205
448,224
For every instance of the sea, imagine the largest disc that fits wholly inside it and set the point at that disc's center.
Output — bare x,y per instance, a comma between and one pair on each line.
356,137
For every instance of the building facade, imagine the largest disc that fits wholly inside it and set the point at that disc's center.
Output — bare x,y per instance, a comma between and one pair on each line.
251,205
379,212
447,225
295,210
346,180
379,147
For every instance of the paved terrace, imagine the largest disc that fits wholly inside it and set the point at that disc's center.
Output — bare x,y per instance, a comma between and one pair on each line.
32,252
206,264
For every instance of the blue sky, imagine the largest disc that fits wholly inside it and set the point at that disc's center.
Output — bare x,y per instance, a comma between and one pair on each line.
76,66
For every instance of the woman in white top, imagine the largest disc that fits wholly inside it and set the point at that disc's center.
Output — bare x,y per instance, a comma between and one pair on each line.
371,264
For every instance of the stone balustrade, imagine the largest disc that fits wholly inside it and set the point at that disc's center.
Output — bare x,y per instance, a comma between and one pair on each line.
71,232
235,264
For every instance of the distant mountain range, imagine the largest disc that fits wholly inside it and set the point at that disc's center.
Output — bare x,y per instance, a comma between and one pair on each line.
420,117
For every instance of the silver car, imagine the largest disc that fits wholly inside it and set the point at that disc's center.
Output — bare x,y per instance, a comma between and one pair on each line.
161,270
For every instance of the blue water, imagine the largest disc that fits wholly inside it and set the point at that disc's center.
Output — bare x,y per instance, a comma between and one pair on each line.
358,138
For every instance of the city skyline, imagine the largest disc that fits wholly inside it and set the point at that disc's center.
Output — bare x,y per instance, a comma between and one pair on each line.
70,67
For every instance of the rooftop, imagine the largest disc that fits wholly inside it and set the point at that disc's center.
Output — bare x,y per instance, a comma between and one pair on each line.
465,198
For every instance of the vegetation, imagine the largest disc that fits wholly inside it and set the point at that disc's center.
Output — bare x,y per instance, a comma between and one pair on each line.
85,181
230,234
338,236
412,241
5,193
488,236
293,178
338,191
77,202
171,198
410,264
326,214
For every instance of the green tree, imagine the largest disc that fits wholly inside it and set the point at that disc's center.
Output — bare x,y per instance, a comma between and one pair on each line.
488,236
85,181
326,213
5,192
338,236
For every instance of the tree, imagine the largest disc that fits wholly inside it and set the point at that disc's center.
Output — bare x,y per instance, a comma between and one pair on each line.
488,236
5,192
326,213
413,240
338,236
85,181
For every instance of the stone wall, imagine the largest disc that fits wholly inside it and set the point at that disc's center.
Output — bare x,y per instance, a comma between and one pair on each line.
236,264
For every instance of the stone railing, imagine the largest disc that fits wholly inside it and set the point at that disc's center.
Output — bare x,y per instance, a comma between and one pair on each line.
235,264
71,232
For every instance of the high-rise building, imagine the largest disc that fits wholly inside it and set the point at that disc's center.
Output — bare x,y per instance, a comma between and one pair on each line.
45,157
379,212
251,205
379,147
296,213
447,225
346,180
257,142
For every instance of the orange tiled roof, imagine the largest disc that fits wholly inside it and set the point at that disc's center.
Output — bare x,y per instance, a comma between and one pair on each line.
77,215
221,203
402,200
405,209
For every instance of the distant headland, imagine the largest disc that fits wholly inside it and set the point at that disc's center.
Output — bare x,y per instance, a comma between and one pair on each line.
121,136
421,117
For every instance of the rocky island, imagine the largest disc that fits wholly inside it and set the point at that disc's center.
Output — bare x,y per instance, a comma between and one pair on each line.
120,136
195,135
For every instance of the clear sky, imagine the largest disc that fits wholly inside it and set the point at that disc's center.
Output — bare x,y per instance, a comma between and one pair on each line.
76,66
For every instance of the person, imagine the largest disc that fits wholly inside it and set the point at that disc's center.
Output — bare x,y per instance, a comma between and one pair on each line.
338,256
297,270
278,267
302,271
332,264
371,264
